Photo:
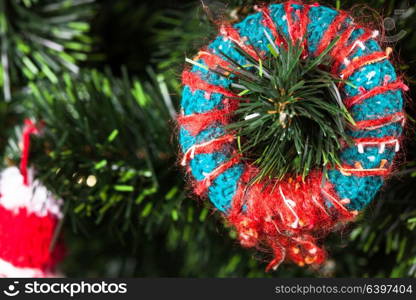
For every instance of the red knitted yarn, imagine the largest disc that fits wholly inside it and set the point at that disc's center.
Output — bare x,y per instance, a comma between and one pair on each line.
362,61
341,51
202,186
207,147
303,27
375,140
380,142
293,215
195,123
380,122
228,31
291,220
26,239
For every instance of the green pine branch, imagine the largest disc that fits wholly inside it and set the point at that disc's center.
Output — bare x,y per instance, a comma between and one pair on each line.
41,38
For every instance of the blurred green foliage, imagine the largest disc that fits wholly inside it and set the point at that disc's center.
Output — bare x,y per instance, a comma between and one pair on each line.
41,38
109,149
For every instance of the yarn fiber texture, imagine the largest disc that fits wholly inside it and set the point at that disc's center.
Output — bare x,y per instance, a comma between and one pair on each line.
291,218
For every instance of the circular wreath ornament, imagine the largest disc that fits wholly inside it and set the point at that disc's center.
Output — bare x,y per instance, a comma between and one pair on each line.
285,211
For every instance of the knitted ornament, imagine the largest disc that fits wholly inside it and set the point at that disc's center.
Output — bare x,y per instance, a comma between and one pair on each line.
29,215
292,215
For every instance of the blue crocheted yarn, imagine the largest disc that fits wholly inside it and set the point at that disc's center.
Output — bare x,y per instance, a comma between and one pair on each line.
371,46
355,35
360,190
206,163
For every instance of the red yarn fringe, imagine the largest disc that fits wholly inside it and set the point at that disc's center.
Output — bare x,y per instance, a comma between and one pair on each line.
195,82
195,123
303,29
297,29
376,140
29,129
26,239
341,44
291,216
292,220
269,23
393,86
359,171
